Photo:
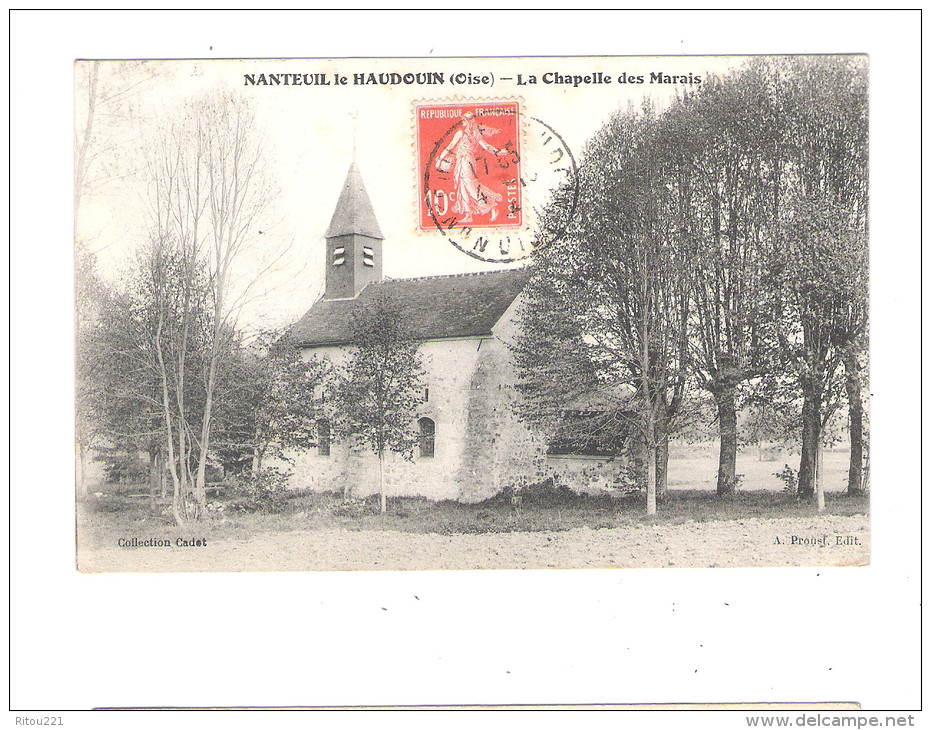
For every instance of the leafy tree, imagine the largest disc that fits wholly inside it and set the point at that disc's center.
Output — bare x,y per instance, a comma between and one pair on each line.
272,399
726,238
723,164
820,251
123,398
381,383
769,417
607,307
815,268
91,295
124,402
265,392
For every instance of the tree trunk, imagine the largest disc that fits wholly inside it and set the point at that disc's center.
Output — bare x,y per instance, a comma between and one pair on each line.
805,482
153,474
652,455
381,482
651,479
649,426
177,507
200,484
855,406
811,439
662,467
166,414
866,464
216,352
82,469
258,452
184,466
727,429
819,476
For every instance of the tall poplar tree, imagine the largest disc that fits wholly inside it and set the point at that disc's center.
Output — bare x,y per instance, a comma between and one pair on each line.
820,254
614,292
727,136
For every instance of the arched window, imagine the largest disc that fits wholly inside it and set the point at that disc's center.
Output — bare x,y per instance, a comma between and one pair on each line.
323,437
427,437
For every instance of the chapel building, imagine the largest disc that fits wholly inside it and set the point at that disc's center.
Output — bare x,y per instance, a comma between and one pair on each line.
471,443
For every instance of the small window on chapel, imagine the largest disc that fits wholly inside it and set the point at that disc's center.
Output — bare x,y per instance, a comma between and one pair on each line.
339,256
426,395
368,256
427,438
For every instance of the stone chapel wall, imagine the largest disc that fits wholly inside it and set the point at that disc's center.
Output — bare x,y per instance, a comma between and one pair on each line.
481,447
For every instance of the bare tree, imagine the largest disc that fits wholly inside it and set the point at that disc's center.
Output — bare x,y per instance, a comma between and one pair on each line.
82,139
209,193
106,93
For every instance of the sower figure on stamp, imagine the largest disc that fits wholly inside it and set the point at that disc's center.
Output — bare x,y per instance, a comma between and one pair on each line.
472,197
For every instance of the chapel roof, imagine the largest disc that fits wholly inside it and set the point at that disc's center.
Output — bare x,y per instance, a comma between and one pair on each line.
436,307
354,212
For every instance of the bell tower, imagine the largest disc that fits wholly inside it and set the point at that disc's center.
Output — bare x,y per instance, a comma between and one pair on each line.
353,241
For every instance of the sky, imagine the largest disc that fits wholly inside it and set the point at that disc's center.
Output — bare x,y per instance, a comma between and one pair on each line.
308,134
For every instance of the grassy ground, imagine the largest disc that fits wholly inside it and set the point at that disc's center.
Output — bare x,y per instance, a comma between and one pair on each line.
552,528
112,512
100,518
318,532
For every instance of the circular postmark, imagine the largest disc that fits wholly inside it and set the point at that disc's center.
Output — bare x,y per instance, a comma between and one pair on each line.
500,187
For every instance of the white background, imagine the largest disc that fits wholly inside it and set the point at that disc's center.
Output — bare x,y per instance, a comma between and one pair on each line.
81,641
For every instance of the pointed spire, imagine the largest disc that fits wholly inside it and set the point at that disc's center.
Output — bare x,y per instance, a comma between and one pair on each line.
354,212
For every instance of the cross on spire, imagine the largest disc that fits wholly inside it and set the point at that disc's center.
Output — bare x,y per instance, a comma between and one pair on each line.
355,129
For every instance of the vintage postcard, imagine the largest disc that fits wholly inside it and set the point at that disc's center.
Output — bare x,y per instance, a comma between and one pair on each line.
461,313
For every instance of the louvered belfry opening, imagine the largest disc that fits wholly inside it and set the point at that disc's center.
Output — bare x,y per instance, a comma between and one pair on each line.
353,241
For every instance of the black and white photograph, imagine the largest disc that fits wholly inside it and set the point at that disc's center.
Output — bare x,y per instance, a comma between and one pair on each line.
376,314
427,362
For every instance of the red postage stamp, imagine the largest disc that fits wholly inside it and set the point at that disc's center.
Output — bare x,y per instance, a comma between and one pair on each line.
469,165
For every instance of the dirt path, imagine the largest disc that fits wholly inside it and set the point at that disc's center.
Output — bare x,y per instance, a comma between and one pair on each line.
750,542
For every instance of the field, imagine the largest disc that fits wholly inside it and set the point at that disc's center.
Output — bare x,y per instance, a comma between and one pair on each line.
551,528
696,467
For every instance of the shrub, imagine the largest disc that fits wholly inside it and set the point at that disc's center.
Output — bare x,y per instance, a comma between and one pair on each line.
357,507
544,494
264,492
630,479
122,465
789,478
